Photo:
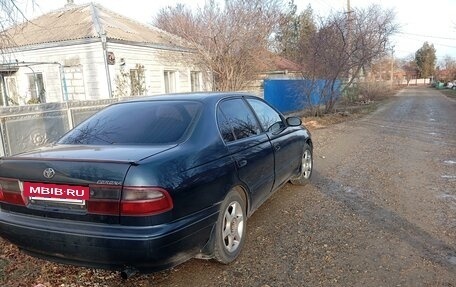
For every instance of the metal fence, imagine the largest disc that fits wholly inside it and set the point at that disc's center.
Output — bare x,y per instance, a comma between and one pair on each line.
24,128
290,95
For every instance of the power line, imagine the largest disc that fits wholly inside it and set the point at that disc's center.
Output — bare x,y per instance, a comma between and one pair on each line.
433,43
427,36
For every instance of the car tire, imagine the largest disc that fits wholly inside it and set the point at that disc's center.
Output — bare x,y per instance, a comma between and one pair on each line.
230,229
306,167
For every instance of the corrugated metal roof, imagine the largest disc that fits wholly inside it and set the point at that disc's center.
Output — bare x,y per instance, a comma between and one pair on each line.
272,62
77,22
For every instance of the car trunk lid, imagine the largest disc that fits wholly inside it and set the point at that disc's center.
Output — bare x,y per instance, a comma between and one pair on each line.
71,182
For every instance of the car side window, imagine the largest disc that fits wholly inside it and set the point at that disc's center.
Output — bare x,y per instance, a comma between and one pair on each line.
267,115
236,120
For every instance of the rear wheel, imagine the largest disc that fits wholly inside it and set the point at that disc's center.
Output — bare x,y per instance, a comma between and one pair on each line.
230,228
306,167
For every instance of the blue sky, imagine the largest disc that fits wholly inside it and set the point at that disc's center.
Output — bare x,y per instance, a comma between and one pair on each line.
420,21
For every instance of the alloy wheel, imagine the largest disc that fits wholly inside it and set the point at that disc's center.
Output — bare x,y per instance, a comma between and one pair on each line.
233,226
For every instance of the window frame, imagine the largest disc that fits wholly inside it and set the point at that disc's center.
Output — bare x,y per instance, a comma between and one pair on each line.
137,79
36,86
170,81
282,118
251,111
196,81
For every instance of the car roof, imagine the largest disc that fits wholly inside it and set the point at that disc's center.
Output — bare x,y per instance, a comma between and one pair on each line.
199,96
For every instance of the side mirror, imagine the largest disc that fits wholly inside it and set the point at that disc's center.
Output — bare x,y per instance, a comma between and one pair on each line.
294,121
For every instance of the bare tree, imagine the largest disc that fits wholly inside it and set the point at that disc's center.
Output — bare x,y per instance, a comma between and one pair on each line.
379,69
410,68
447,67
231,38
343,46
130,83
10,14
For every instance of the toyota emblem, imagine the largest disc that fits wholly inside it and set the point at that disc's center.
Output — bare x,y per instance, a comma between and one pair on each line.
49,172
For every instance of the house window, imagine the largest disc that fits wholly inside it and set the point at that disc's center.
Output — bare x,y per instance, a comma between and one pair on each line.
11,87
195,80
137,81
36,87
2,102
170,81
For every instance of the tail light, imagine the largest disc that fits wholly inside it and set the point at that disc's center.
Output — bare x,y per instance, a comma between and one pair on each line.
140,201
10,191
104,199
135,201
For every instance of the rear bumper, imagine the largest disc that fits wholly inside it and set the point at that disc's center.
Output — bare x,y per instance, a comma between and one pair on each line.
147,248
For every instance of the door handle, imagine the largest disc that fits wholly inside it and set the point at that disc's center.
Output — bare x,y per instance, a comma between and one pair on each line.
241,163
277,147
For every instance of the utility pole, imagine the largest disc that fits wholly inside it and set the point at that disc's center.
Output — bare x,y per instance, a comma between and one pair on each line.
348,24
349,20
392,66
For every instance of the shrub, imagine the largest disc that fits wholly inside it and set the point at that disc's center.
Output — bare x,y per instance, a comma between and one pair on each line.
364,91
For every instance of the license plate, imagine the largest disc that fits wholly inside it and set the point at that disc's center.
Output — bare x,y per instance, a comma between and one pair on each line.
71,194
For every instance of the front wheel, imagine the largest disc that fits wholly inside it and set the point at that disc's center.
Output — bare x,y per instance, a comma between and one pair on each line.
306,167
230,228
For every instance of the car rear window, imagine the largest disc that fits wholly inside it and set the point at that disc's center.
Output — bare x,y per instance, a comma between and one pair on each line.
136,123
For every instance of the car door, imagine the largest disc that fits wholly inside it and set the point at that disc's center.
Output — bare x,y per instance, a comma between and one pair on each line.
287,147
249,147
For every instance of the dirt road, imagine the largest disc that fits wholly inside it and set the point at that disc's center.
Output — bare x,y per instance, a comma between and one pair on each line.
380,211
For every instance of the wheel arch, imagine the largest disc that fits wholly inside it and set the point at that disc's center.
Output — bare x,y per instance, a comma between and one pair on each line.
208,249
243,192
309,142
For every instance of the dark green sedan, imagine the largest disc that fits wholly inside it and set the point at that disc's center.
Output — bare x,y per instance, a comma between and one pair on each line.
149,183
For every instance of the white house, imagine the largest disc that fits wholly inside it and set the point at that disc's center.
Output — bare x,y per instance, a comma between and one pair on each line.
85,52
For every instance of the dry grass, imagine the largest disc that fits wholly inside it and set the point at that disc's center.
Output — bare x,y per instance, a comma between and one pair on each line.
449,93
360,99
345,112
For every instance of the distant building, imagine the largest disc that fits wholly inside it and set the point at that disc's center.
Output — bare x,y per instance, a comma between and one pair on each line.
274,66
84,52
